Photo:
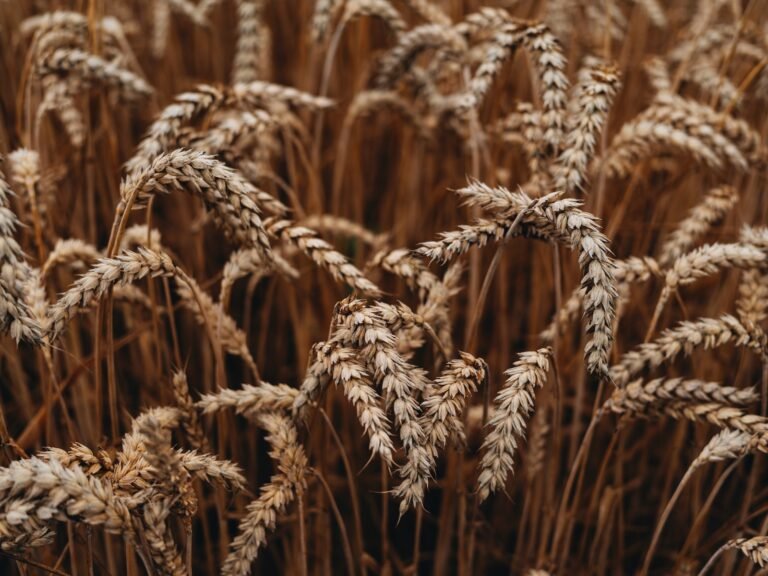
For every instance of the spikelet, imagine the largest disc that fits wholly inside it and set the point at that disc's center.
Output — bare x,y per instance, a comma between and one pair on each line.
90,68
514,404
223,191
284,486
70,251
125,268
251,401
430,11
706,333
189,419
559,220
595,96
251,42
756,549
715,206
323,254
380,9
444,407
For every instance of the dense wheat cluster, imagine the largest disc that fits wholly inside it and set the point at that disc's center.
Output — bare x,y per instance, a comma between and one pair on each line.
379,287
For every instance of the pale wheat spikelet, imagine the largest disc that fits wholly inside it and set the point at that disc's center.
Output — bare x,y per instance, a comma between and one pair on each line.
250,42
502,48
380,9
251,401
164,132
223,191
368,102
705,333
139,235
166,559
33,492
595,96
756,549
266,94
190,420
210,469
537,445
59,99
559,220
344,369
430,11
662,391
550,63
403,263
70,251
514,404
91,68
642,398
725,445
712,210
626,272
395,63
524,127
15,317
362,328
342,226
161,26
672,123
321,18
324,255
25,172
708,260
223,327
284,487
444,407
752,303
250,261
657,70
125,268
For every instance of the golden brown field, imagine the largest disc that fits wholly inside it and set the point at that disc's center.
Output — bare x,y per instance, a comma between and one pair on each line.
383,287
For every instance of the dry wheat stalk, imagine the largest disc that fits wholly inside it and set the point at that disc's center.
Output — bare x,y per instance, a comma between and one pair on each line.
338,225
284,486
706,333
223,327
266,94
715,206
752,304
627,272
514,404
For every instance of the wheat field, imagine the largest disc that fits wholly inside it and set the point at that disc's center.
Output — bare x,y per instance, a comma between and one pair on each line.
383,287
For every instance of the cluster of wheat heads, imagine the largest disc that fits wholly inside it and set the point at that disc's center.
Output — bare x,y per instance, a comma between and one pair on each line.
383,287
